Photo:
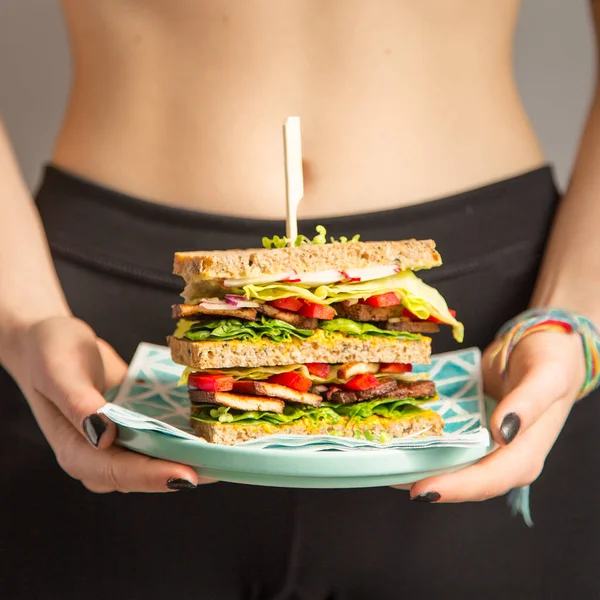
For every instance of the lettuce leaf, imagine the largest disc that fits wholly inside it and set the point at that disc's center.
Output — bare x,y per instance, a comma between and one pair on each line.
238,329
183,326
252,373
390,408
349,327
418,297
209,414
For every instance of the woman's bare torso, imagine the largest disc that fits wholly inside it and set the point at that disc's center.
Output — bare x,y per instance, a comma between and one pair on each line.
182,102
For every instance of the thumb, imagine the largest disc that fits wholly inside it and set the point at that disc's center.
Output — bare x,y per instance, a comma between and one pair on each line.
71,375
492,379
536,378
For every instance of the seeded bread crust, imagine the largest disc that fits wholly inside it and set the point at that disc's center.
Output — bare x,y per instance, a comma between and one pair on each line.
334,348
428,424
241,264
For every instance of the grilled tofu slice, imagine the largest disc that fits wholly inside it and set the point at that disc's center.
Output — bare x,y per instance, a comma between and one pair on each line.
239,401
274,390
356,368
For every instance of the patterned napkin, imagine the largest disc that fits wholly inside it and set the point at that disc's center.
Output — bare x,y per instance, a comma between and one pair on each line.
149,399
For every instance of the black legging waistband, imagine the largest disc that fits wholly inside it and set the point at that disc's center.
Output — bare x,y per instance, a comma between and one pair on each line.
110,231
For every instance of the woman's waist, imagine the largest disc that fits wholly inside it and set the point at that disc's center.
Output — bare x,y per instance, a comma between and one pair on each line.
368,155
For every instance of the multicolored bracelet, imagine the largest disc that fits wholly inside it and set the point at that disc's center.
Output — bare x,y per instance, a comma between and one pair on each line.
554,319
549,319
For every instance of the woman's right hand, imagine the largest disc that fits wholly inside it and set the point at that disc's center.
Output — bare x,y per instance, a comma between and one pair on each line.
62,369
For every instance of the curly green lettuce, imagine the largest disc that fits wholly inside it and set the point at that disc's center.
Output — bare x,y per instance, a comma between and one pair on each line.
302,240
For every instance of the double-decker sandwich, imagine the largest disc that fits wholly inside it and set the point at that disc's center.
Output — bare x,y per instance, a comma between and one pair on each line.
316,338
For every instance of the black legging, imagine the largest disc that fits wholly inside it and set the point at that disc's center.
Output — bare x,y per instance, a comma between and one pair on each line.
223,541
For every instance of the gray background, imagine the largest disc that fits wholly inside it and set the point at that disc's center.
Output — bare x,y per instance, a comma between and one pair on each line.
554,56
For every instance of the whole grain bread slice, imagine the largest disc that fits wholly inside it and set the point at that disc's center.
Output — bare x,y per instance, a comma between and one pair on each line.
333,348
427,423
241,264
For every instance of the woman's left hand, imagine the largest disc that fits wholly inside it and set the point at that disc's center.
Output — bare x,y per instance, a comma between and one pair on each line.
545,373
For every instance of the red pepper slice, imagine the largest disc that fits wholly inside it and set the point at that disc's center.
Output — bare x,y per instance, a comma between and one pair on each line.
293,304
244,387
383,300
317,311
436,320
364,381
292,380
395,368
413,317
320,370
210,383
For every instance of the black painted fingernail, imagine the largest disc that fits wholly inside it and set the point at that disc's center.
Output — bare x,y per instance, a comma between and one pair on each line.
427,497
510,427
94,427
180,484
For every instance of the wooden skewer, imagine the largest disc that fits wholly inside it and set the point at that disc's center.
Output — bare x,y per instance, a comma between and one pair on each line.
294,181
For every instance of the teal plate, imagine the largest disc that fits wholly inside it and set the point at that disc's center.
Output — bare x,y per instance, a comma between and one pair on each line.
151,389
302,468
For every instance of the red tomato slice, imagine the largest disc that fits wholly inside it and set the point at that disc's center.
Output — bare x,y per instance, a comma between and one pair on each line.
365,381
320,370
293,304
395,368
317,311
210,383
383,300
292,380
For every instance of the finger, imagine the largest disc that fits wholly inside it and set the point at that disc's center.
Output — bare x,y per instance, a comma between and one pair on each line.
115,368
516,465
70,374
115,469
403,486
